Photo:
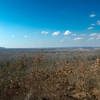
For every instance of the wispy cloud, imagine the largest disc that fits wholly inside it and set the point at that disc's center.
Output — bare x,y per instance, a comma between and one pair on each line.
90,28
56,33
92,15
74,34
44,32
93,34
78,38
93,24
67,32
98,22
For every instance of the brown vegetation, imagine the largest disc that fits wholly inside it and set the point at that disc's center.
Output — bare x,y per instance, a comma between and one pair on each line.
32,79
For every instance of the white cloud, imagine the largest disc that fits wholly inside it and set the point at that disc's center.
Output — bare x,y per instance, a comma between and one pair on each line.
67,32
78,38
90,28
92,15
56,33
74,34
98,22
93,24
25,36
96,35
44,32
93,34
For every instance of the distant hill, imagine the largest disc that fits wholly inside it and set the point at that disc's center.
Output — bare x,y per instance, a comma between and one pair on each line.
52,48
2,48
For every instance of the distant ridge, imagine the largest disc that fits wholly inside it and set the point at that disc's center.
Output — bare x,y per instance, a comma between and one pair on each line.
2,48
53,48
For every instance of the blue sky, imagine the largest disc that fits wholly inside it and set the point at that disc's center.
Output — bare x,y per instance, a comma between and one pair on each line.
49,23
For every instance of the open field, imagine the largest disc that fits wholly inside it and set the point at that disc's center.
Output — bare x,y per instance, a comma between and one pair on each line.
50,74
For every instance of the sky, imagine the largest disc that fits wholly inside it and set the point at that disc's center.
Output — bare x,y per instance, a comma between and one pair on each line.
49,23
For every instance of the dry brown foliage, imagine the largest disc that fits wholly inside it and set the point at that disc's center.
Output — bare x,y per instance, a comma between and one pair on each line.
79,82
